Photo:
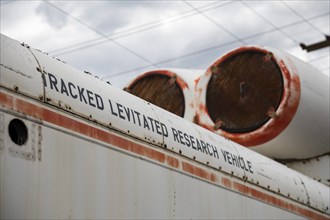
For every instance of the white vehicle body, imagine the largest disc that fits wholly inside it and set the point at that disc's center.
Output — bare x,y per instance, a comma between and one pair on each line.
94,151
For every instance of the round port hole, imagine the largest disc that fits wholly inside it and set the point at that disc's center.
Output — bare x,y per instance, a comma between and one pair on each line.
18,132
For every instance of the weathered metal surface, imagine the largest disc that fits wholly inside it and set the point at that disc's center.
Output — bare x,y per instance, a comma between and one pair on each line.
242,90
171,89
263,102
70,90
19,64
147,164
318,168
77,180
160,90
72,163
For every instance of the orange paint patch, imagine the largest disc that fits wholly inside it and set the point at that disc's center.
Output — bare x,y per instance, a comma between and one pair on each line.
214,178
276,201
197,80
6,100
197,120
172,161
189,168
226,182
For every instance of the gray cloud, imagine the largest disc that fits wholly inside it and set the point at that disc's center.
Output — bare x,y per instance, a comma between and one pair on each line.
111,16
184,41
53,16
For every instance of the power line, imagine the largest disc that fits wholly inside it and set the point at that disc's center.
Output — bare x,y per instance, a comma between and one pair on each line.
318,58
103,35
137,29
172,59
122,34
145,25
214,22
300,16
267,21
213,47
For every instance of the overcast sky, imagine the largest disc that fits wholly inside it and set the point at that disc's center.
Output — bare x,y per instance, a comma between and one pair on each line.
116,40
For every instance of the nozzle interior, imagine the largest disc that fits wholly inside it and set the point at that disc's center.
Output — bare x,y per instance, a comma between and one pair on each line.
243,89
160,90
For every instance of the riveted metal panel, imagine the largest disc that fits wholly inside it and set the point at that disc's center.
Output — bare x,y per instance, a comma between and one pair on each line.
87,169
275,177
18,69
322,193
80,180
198,144
311,167
97,101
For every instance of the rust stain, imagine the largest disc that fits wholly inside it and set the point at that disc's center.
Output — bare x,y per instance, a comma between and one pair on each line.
285,112
6,100
191,104
214,178
231,53
197,80
197,171
168,73
197,120
276,201
200,172
120,142
209,71
87,130
241,98
172,161
199,91
202,108
162,88
183,85
226,182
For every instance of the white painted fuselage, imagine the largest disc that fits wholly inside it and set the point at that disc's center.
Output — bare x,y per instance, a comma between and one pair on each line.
74,147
